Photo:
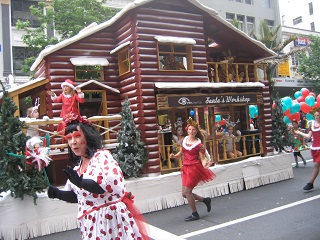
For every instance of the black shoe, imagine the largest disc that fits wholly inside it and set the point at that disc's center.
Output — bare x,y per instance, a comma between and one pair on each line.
308,187
194,216
207,202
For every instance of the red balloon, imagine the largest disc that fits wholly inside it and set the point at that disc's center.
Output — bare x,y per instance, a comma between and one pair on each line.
301,99
223,122
316,104
304,107
312,94
318,98
287,112
273,105
295,116
305,92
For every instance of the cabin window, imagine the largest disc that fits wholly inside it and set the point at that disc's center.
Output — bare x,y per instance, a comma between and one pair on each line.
124,61
175,57
85,73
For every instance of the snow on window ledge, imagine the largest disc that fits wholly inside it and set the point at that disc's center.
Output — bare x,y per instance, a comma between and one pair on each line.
178,40
89,61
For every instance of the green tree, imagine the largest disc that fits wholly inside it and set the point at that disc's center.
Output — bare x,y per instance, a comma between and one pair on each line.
131,153
270,38
67,18
15,175
309,62
282,136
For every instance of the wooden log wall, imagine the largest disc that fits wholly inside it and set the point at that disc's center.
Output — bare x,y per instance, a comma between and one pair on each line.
144,62
57,67
265,120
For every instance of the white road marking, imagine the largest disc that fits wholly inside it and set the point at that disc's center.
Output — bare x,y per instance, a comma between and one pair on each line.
249,217
159,234
300,162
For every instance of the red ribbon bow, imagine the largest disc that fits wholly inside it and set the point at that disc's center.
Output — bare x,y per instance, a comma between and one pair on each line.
74,115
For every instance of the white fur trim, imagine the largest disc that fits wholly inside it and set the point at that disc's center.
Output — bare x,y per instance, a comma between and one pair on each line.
184,143
68,85
313,127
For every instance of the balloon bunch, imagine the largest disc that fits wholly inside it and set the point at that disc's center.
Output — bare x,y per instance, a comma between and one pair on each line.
220,121
304,101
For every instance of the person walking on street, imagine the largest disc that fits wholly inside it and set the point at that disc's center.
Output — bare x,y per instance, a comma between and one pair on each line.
195,169
314,132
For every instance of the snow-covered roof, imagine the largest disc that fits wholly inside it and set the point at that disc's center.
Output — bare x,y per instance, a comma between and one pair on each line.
120,47
21,86
179,40
99,84
93,29
89,61
188,85
24,86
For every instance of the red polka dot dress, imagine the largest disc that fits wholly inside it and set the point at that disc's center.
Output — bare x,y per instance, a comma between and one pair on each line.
104,216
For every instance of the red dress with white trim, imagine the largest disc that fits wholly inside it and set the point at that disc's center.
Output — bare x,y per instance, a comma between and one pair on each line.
315,147
192,172
69,103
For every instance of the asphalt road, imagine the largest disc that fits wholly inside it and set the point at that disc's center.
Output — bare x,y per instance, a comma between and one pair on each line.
276,211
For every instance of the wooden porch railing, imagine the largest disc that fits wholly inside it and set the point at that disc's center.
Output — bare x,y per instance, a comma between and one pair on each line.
236,72
98,121
250,145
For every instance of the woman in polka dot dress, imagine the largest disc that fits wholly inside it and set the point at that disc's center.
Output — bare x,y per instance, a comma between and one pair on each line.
105,210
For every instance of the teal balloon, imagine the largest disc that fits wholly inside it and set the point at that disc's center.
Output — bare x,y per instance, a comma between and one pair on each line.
309,117
295,107
310,101
286,119
286,103
297,94
253,111
218,118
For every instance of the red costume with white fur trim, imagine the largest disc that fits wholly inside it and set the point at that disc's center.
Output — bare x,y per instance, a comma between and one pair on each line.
192,171
315,147
69,102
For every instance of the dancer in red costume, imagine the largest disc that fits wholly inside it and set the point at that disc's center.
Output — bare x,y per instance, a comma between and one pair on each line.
195,169
69,100
314,132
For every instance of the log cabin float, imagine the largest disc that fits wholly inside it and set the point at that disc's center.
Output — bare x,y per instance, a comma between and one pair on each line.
172,59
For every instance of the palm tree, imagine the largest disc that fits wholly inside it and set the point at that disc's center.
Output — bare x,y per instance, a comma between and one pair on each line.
270,38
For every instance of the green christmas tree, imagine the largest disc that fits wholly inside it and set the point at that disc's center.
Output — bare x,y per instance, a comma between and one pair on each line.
15,175
131,153
282,136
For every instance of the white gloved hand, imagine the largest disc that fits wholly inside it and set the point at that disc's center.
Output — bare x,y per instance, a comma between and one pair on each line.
238,133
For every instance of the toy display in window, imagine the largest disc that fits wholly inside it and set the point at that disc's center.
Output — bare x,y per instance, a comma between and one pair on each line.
171,62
